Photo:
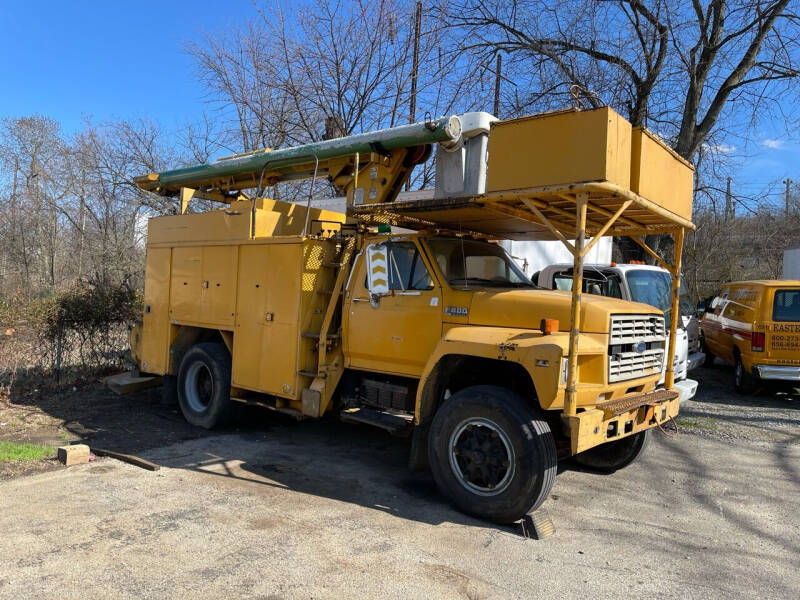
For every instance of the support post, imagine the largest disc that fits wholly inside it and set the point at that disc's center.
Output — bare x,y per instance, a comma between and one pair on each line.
675,314
571,399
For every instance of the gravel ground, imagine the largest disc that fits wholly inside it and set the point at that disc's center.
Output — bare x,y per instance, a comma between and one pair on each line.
771,414
328,510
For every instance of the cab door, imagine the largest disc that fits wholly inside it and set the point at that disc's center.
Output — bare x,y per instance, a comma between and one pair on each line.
712,324
396,330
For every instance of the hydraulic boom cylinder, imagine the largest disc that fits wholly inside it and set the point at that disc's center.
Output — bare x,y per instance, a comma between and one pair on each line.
286,163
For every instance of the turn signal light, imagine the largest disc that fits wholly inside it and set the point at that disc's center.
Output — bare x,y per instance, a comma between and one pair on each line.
549,326
757,341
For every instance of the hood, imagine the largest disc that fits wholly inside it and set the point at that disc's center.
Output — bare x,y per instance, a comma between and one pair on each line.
525,309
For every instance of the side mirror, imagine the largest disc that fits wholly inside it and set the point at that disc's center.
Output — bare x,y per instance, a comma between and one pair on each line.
701,308
377,271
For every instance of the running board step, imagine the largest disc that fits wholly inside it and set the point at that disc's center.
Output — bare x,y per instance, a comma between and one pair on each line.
394,424
315,336
309,373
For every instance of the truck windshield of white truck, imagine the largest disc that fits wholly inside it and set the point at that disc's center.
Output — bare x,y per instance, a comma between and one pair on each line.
473,263
649,286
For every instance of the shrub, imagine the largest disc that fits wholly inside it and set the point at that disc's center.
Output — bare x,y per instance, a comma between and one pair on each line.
78,331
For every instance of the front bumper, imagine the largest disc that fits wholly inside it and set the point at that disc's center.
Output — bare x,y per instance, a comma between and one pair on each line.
620,418
695,360
777,372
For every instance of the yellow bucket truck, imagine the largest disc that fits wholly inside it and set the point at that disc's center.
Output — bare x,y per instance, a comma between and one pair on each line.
406,314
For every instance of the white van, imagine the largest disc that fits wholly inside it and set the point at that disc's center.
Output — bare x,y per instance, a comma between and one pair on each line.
639,283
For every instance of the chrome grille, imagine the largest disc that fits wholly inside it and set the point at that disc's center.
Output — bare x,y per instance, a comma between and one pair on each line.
631,365
636,346
631,329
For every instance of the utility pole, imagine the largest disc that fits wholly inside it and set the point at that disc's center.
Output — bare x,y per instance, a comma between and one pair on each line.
415,64
412,110
14,195
497,77
788,183
728,203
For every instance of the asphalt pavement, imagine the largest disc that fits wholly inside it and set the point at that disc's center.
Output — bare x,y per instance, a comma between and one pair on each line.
328,510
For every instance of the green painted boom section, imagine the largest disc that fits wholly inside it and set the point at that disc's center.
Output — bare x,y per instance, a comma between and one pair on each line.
286,163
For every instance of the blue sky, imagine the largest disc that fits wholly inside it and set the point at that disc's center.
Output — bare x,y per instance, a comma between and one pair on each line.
108,59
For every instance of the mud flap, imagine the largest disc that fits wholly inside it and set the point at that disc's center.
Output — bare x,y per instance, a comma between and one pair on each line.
418,457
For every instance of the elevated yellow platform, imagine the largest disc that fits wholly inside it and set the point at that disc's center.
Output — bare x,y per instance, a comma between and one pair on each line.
513,214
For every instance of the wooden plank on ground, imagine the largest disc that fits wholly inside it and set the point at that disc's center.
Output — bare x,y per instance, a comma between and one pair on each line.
128,382
128,458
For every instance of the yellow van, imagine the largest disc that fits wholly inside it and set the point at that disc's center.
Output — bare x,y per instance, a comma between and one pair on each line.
755,326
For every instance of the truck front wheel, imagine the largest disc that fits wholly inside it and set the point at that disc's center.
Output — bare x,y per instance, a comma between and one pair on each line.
492,454
616,455
204,385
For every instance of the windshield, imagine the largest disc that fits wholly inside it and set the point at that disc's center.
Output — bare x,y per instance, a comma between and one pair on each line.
655,288
594,282
466,263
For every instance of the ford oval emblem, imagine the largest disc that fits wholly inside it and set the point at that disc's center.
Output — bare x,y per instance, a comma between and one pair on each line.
640,347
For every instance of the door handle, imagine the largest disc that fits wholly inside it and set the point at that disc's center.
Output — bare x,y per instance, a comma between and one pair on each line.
360,299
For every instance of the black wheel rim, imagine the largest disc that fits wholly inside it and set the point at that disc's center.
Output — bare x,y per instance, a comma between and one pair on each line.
482,457
199,387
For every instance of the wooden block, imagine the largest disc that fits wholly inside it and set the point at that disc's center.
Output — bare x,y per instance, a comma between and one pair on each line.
76,454
125,383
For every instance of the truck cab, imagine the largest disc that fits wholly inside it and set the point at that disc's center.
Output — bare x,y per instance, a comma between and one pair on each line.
639,283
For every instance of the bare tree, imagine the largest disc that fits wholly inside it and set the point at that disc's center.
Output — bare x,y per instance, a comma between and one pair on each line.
698,72
32,155
290,76
673,64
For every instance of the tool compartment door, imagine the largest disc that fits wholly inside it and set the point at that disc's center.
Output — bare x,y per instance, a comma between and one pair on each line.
218,289
266,333
185,291
155,319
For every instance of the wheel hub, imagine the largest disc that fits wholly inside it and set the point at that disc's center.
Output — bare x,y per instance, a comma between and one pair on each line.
481,457
199,387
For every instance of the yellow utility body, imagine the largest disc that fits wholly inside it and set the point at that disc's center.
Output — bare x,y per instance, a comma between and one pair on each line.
430,330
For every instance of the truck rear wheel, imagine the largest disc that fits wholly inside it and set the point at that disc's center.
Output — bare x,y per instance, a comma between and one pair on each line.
492,454
616,455
744,383
204,384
